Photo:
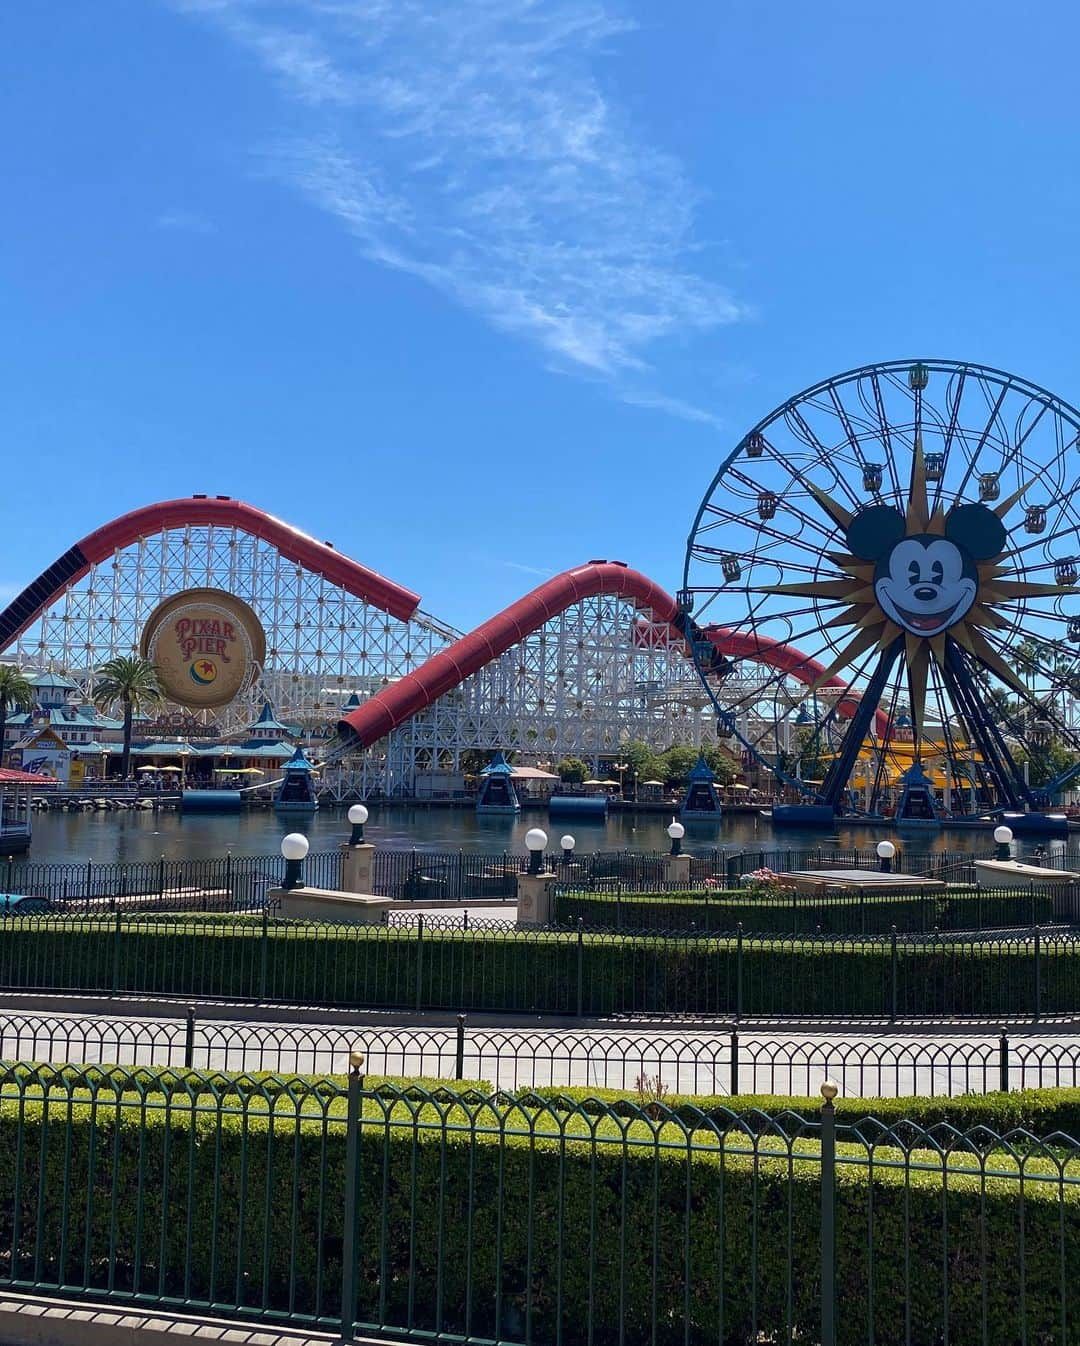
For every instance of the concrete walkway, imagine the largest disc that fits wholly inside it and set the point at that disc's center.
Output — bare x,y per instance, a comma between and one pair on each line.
33,1320
509,1053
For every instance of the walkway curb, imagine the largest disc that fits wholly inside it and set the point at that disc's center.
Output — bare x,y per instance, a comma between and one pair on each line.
142,1007
32,1320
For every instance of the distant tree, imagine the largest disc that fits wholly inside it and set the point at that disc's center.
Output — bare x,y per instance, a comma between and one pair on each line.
1044,764
132,684
573,770
676,764
15,691
721,763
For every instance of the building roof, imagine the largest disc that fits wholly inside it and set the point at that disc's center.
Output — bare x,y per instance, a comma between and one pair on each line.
8,776
52,680
298,762
701,770
498,766
268,721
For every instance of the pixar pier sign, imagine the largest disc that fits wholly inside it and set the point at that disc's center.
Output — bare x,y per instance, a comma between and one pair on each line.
206,644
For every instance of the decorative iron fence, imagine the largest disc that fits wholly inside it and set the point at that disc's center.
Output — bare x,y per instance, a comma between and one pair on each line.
240,882
232,883
465,1217
433,965
686,1062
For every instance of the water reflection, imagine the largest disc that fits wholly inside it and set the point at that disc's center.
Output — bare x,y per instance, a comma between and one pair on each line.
130,837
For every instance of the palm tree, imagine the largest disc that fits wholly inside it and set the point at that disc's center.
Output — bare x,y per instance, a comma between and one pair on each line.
15,690
133,683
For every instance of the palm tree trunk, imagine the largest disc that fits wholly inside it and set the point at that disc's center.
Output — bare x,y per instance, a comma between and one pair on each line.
125,764
3,726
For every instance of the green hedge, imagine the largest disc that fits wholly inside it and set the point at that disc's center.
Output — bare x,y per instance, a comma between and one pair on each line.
1042,1112
498,1235
805,913
540,972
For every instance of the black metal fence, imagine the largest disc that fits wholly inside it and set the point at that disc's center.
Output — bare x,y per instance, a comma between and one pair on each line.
231,883
698,1063
412,1214
239,883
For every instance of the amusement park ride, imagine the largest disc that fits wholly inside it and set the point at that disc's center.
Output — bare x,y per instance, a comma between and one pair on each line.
910,528
878,607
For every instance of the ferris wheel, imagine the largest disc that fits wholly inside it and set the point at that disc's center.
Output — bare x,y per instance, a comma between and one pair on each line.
906,535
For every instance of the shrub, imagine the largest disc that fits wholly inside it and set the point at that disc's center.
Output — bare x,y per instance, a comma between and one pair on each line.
521,1226
541,971
1041,1112
763,908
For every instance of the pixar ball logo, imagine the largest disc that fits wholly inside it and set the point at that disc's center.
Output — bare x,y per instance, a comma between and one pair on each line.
203,672
926,582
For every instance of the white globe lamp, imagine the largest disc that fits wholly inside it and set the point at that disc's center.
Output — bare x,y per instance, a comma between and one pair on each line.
358,816
294,847
535,842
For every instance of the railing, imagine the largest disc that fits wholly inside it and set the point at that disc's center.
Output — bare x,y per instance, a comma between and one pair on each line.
460,876
436,965
403,1213
232,883
686,1062
456,876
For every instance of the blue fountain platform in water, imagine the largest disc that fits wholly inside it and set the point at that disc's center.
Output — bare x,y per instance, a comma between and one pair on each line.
211,801
803,815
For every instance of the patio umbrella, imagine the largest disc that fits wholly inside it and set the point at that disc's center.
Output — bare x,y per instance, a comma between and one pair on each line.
170,768
147,768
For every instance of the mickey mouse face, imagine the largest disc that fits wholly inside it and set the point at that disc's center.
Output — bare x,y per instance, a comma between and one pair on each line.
926,583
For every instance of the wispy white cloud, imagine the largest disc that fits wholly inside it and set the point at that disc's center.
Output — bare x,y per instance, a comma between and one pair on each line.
527,570
471,144
185,222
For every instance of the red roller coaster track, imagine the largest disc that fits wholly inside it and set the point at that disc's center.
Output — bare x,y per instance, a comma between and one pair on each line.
318,557
443,671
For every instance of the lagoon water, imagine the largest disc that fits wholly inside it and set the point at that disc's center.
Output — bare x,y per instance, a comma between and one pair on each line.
129,837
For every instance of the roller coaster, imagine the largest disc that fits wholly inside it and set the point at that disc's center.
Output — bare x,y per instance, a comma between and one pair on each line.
881,580
588,661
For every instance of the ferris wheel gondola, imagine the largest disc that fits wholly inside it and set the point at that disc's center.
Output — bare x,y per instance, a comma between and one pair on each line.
911,529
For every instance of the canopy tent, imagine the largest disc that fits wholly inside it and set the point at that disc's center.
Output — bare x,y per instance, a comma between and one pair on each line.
10,776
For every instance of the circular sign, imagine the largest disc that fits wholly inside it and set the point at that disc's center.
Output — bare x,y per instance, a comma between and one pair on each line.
205,644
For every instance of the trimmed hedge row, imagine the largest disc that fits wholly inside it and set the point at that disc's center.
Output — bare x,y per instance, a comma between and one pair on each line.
544,971
803,913
1042,1112
517,1236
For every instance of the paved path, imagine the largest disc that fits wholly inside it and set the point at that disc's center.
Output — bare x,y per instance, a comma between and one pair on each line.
940,1059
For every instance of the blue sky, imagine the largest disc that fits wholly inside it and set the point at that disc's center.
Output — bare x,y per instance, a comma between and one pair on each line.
481,290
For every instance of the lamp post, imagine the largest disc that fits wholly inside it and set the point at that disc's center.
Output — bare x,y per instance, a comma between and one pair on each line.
885,851
567,843
1003,837
358,816
294,847
535,842
676,832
